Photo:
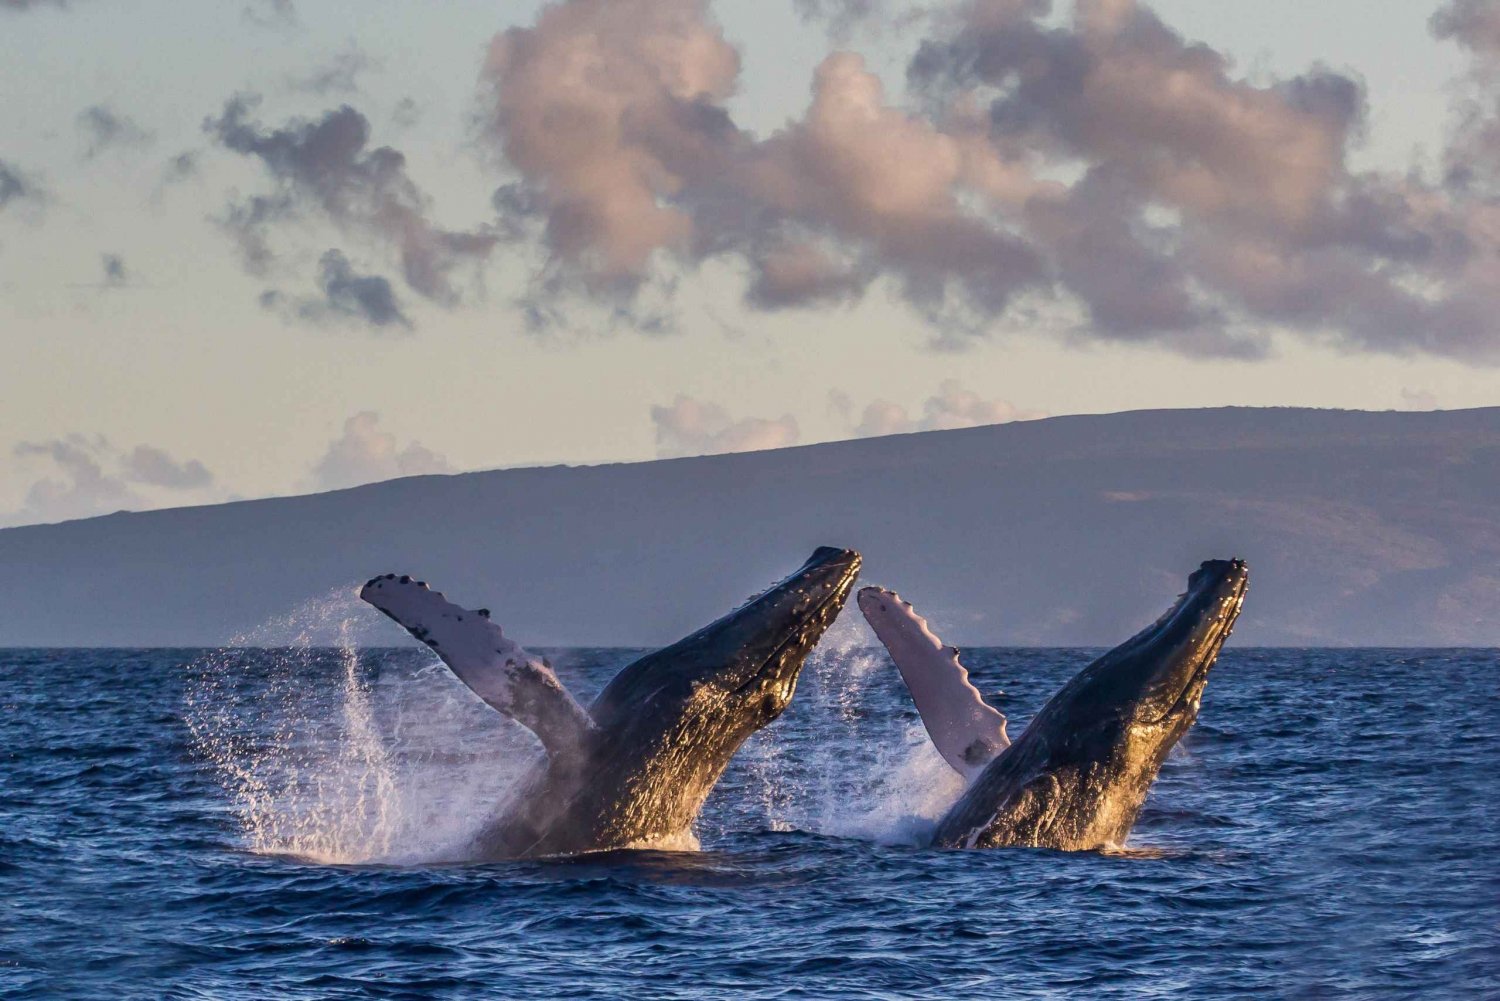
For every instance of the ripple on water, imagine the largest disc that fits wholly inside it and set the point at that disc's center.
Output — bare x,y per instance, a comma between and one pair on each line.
1327,831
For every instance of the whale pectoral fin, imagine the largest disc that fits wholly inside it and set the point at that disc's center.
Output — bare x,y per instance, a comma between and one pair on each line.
965,730
495,667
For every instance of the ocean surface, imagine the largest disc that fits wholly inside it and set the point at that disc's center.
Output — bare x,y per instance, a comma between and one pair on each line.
281,823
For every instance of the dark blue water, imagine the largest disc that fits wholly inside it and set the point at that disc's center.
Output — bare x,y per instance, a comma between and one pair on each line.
1327,830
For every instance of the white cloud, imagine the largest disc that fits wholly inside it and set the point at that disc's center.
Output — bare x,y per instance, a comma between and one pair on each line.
952,406
366,454
86,476
1419,399
698,427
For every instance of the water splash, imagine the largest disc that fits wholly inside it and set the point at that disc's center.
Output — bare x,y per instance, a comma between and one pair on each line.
681,841
871,775
338,753
341,755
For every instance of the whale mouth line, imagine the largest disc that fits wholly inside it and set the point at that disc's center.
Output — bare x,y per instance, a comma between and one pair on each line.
1195,683
1230,605
835,596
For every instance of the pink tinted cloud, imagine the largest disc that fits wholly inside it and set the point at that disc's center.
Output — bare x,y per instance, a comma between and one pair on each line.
1102,160
689,426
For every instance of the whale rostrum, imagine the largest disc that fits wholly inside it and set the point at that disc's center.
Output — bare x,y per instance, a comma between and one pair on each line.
1076,778
634,767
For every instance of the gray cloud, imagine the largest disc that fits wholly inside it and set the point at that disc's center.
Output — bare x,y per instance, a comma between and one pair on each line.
80,486
841,16
146,464
365,454
115,274
1104,162
87,476
846,20
1267,223
1419,399
19,5
406,113
367,299
1474,24
338,75
17,186
271,13
1472,159
326,166
696,427
181,167
249,221
103,129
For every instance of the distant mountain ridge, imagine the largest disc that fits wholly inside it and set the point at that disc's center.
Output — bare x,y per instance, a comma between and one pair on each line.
1360,528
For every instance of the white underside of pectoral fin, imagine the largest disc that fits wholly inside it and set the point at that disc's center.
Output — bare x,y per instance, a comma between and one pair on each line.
966,731
495,667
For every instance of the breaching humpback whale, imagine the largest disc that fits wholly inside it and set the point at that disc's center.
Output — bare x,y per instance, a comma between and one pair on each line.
1076,777
635,766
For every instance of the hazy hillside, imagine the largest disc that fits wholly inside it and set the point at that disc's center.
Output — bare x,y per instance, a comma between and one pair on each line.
1363,528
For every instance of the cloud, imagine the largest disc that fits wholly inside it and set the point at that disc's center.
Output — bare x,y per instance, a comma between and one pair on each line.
326,167
271,13
145,464
1230,204
406,113
365,454
81,487
951,407
19,5
888,188
805,274
339,75
17,186
365,297
347,295
103,129
696,427
1474,24
182,166
1419,399
842,17
1472,159
177,169
609,108
115,274
87,476
1099,166
614,114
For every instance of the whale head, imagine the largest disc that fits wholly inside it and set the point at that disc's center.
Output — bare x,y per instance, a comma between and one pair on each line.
1146,691
669,723
1078,774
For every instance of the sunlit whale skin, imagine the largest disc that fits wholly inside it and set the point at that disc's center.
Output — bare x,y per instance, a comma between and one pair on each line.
635,767
1076,778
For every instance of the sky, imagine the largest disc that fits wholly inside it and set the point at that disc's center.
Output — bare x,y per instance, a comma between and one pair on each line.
278,246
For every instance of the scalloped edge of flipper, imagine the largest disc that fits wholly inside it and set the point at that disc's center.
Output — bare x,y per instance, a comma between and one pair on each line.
966,730
479,654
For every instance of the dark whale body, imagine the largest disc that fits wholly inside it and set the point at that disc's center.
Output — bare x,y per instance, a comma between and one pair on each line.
636,766
1076,778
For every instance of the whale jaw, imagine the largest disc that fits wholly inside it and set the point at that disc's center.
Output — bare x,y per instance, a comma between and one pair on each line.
1076,778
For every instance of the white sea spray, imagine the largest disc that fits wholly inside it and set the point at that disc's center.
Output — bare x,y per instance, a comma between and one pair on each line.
851,767
338,754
